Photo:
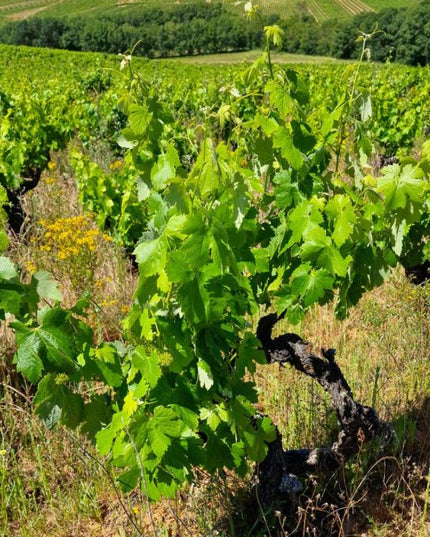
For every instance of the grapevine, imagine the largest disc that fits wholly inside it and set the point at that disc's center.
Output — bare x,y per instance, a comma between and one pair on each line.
262,222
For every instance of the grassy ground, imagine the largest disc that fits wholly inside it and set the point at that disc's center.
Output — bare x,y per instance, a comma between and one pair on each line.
250,56
52,484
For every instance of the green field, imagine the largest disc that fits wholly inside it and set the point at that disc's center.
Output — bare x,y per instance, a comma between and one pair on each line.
320,9
250,56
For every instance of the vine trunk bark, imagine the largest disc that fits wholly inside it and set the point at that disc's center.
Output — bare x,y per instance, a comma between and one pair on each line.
14,209
276,477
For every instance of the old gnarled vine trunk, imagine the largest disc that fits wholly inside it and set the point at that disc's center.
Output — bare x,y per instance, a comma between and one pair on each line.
276,480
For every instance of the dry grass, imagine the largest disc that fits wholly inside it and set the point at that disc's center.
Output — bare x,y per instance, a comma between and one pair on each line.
383,351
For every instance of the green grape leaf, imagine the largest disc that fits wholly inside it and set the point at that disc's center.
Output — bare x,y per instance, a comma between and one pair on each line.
45,286
56,402
4,240
280,97
96,414
162,428
72,406
399,230
139,119
147,364
331,259
204,375
265,433
59,346
194,300
249,353
204,177
310,284
151,256
218,451
7,269
109,364
365,104
268,124
304,222
286,191
129,479
241,202
212,416
165,168
399,185
284,140
27,357
10,301
341,212
143,191
106,436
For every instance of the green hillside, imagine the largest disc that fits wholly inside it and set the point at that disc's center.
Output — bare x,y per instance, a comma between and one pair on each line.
319,9
326,9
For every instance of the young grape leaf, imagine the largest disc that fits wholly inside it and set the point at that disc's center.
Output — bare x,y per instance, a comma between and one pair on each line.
147,364
7,269
27,357
310,284
45,286
151,256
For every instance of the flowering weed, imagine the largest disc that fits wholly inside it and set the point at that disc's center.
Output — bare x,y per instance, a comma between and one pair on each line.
71,247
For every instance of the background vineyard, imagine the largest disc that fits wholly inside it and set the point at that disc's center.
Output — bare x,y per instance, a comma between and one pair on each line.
321,9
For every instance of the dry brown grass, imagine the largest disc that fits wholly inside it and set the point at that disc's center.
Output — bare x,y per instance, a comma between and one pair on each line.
383,350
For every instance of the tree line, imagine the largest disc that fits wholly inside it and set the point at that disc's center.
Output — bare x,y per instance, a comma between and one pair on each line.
198,28
203,28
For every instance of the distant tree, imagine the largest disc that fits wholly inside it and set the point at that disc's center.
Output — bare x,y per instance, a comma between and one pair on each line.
70,39
414,42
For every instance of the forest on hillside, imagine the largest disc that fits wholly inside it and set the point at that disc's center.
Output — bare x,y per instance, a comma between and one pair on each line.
202,28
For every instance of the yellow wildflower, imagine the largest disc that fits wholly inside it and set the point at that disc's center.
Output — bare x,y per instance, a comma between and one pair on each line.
108,303
116,165
30,266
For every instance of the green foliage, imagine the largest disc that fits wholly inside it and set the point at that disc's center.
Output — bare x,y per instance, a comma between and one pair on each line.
403,38
32,127
222,243
114,197
193,28
103,8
